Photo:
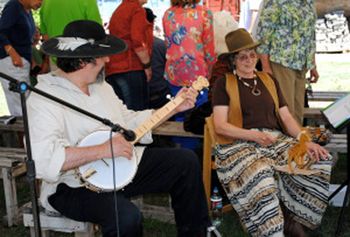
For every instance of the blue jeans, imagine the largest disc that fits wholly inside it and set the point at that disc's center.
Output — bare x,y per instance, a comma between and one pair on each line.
132,88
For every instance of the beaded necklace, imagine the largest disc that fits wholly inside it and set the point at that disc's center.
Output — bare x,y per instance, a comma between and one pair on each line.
255,91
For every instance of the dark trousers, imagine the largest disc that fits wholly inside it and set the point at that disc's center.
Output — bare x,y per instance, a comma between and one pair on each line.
161,170
132,88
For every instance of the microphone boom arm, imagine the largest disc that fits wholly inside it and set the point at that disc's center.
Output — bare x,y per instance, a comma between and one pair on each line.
22,87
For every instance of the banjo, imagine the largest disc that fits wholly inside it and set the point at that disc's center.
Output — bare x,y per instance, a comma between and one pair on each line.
98,175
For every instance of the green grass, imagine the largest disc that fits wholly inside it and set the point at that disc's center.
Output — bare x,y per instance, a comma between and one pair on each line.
334,72
23,197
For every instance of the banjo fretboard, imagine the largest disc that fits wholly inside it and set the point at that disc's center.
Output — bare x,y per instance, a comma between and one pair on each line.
166,110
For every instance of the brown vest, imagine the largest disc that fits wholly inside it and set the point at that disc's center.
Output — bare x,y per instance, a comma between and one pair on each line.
235,112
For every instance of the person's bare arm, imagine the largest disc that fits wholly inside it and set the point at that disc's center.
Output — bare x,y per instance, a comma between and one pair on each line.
292,126
15,57
313,72
143,55
146,61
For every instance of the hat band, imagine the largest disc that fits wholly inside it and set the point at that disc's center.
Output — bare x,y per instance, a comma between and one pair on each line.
72,43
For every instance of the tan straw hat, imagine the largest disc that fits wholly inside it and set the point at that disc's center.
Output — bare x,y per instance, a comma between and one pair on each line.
238,40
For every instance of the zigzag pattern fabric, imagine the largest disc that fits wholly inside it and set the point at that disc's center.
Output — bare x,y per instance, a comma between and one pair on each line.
256,190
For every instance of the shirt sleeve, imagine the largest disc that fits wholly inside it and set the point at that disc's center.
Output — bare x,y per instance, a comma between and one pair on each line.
48,141
7,21
208,38
138,30
220,96
165,28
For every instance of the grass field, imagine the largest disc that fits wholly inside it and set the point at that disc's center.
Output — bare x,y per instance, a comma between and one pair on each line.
334,70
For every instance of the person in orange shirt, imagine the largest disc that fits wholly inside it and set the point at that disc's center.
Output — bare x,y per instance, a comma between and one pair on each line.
129,72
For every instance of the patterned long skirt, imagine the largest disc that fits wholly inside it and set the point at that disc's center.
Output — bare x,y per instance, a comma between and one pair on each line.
255,189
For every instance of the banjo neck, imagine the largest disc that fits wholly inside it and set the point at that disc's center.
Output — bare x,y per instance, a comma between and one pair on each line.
166,110
157,117
97,175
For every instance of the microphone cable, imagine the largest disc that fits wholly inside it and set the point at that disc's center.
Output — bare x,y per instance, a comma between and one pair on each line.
114,184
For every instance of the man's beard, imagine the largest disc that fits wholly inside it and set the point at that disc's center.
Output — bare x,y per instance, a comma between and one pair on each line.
100,76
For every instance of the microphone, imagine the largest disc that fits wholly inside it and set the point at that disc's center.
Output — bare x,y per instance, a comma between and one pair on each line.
129,135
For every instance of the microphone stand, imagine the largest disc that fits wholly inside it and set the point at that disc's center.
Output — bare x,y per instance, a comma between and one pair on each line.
22,87
345,184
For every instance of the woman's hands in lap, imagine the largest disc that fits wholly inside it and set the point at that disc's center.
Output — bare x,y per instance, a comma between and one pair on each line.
316,152
262,138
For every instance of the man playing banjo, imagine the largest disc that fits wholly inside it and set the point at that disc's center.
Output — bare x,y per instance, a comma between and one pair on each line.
55,131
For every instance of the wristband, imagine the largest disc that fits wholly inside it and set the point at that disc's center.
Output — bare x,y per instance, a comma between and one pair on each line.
303,134
146,65
299,134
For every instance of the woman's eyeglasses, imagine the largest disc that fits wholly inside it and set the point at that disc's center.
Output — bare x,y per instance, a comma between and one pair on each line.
244,57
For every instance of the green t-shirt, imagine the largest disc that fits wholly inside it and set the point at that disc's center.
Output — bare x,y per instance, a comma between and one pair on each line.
56,14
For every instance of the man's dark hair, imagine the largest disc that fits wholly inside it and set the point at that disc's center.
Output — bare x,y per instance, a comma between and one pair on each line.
73,64
149,15
183,3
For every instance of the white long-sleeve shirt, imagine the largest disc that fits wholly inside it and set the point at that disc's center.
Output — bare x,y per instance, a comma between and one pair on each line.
53,127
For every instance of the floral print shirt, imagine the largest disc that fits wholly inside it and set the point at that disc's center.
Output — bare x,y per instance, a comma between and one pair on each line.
286,31
189,38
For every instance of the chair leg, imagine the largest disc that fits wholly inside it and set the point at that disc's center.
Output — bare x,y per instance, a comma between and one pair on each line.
207,150
10,196
89,233
44,233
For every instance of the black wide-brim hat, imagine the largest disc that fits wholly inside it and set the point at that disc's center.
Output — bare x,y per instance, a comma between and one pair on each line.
83,39
236,41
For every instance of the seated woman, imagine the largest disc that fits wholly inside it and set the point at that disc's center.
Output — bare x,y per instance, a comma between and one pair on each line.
255,132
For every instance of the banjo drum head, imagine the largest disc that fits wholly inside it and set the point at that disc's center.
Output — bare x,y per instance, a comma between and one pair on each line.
102,177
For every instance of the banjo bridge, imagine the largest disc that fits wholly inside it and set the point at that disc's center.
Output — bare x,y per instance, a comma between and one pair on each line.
87,174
